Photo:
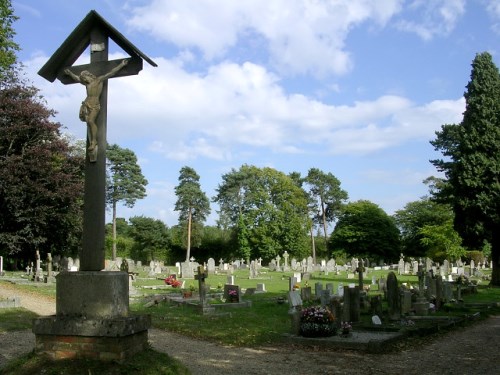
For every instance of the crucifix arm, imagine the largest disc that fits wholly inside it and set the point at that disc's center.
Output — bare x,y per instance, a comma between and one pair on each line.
72,75
115,70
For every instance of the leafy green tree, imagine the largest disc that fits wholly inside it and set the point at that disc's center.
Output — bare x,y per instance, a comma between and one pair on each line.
272,206
122,242
364,229
243,243
8,47
41,177
125,182
472,162
151,239
326,197
442,241
192,203
415,216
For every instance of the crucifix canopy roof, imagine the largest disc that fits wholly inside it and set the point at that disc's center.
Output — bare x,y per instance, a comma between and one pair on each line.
78,41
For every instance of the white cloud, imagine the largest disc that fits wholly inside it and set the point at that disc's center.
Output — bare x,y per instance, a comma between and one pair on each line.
433,17
301,36
185,115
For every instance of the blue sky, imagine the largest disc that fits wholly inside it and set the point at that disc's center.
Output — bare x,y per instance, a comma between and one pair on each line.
352,87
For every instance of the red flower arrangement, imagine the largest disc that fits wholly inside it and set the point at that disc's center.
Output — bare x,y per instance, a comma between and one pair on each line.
171,280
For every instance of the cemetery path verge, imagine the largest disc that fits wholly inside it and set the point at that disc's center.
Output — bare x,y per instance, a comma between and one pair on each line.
469,350
42,305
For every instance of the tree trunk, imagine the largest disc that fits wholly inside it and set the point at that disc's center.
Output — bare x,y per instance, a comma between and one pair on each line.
114,231
495,257
323,213
188,251
313,244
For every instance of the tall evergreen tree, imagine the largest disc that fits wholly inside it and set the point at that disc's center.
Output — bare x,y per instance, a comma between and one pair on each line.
125,181
472,161
192,203
326,197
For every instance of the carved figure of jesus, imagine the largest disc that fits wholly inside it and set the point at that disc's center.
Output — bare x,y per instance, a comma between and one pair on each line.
90,107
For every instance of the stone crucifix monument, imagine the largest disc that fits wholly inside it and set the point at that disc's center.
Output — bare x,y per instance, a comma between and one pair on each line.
92,306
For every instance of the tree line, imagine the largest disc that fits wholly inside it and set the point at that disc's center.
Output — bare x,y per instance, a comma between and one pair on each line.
262,212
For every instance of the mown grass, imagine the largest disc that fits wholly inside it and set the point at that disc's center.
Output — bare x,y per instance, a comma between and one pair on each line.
264,322
147,362
16,319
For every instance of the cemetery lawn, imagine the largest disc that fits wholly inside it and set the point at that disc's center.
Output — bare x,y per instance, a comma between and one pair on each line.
16,319
148,362
264,322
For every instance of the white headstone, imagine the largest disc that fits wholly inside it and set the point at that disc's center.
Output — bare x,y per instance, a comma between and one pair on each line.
340,290
376,320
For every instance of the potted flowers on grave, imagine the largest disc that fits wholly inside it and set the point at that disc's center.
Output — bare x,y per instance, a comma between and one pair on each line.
232,295
317,321
187,293
345,329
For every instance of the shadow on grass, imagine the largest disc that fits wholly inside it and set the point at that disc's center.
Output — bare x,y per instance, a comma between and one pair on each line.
147,362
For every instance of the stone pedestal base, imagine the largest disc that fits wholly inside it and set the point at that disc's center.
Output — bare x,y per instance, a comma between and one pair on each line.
92,319
102,339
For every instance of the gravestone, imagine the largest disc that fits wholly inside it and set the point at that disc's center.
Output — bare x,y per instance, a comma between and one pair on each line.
50,277
351,311
310,264
278,265
297,276
286,267
1,266
318,289
91,303
329,286
406,302
295,303
446,267
340,290
401,265
211,265
439,293
422,304
230,280
393,297
261,288
292,282
325,297
330,265
187,270
38,276
232,298
202,290
306,293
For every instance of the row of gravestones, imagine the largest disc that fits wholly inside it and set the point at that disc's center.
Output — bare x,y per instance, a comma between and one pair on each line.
400,300
411,267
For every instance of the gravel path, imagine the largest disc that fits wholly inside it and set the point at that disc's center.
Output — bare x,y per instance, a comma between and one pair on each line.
472,350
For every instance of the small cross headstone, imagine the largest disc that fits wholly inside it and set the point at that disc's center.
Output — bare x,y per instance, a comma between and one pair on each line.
201,276
286,267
